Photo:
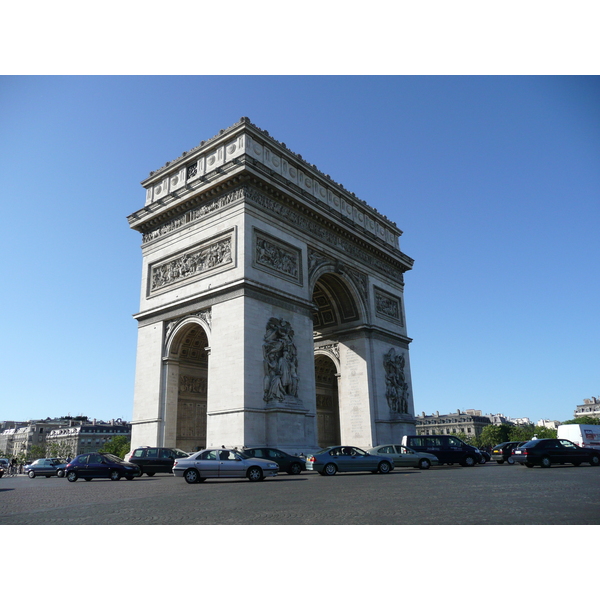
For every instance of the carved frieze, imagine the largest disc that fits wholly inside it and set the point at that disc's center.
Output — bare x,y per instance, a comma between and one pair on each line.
192,385
276,257
195,262
194,214
322,233
387,306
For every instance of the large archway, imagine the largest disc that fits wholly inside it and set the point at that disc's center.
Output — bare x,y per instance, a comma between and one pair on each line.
336,310
190,351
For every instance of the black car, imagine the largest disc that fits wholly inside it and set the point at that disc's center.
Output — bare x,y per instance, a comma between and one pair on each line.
100,465
293,465
485,457
503,452
547,452
153,460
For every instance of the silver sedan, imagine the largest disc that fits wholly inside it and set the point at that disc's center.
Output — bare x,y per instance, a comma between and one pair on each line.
223,462
405,457
46,467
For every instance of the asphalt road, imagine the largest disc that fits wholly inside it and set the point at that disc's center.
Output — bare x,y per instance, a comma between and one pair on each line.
488,494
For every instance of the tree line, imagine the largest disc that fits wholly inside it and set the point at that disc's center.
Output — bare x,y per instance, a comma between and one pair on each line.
492,435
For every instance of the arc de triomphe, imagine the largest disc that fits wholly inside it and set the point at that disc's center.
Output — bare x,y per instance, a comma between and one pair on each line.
271,308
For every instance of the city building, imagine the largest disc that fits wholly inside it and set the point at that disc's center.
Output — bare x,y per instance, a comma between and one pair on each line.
589,408
87,437
59,437
548,424
469,422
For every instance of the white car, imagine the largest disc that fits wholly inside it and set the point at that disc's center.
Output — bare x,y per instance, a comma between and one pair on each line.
223,462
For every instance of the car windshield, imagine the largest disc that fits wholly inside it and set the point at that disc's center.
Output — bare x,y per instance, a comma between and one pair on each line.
112,458
180,453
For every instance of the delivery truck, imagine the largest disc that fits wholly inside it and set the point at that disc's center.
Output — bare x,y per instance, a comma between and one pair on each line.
585,436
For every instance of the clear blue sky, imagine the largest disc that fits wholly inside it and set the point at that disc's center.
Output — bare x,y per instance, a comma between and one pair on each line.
495,182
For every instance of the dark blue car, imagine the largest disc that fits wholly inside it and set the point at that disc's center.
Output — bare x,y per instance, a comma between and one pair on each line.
100,465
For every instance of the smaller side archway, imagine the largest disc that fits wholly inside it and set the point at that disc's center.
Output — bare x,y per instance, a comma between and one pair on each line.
327,400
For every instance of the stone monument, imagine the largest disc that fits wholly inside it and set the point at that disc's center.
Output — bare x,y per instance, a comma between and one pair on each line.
271,307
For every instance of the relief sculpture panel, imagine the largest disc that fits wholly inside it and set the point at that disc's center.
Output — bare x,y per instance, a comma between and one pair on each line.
195,262
395,381
280,361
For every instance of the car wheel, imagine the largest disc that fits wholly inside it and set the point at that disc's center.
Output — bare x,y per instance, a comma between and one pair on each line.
72,476
60,473
31,474
114,476
595,460
384,467
255,474
330,469
192,476
469,462
295,469
546,462
424,464
149,474
510,460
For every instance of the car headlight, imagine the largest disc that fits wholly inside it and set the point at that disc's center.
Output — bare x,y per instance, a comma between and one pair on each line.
274,466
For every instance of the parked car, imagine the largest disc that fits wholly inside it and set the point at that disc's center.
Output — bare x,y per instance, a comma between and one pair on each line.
485,456
347,458
1,470
293,465
223,462
503,452
547,452
46,467
405,457
153,460
448,448
100,465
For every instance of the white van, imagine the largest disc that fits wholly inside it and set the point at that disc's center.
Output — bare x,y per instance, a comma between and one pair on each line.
585,436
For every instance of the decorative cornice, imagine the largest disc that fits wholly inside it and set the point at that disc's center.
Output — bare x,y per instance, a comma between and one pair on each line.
246,143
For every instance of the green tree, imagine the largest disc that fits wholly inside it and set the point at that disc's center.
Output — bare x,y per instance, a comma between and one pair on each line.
545,432
36,452
61,449
492,435
119,446
520,433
